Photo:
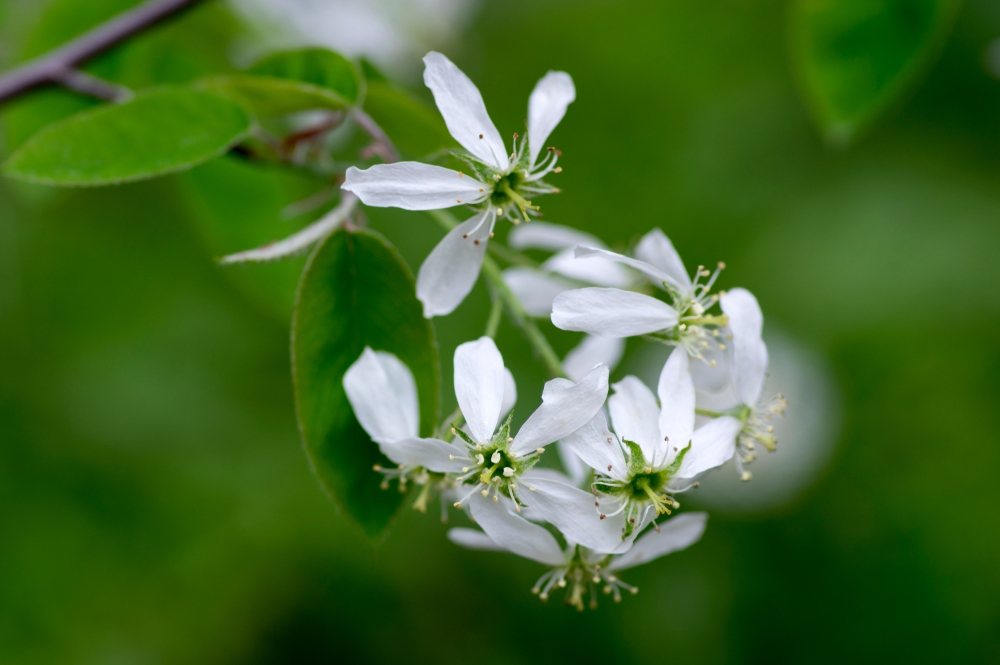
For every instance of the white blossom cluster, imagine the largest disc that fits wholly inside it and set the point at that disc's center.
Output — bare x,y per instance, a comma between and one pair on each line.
626,456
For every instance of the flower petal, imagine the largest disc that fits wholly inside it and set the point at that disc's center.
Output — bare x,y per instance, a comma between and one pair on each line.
414,186
383,395
479,386
746,322
463,109
546,107
534,289
564,410
591,270
572,511
551,237
656,250
509,393
676,534
611,312
712,444
676,391
450,271
593,351
598,447
657,276
473,540
571,462
634,414
432,454
517,534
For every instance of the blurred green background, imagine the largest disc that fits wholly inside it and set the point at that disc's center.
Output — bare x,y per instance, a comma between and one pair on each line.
155,503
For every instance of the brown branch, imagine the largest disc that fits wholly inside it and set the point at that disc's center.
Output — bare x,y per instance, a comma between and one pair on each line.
60,66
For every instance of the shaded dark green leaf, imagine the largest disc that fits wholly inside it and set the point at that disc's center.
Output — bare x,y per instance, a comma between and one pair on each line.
855,58
316,66
159,132
415,128
356,291
270,97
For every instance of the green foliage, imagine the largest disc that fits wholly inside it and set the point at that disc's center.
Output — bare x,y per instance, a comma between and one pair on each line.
159,132
319,67
356,291
855,58
270,97
416,129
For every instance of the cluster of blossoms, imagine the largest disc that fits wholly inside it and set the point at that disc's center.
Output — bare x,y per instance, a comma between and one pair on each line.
626,456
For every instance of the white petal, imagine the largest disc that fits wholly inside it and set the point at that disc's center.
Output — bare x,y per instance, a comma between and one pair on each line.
546,107
712,444
593,351
611,312
634,415
509,393
383,395
676,534
450,271
575,468
573,512
300,241
534,289
515,533
746,322
676,392
657,250
657,276
433,454
597,446
414,186
591,270
479,386
551,237
563,411
473,540
463,109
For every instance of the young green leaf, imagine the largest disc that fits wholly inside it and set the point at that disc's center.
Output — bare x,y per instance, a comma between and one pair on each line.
415,129
855,58
158,132
316,66
270,97
356,291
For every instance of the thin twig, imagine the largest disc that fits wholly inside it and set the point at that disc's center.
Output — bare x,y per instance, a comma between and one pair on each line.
82,82
383,143
60,65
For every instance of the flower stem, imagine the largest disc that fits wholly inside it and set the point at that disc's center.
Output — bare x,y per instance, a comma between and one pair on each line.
520,318
493,322
706,412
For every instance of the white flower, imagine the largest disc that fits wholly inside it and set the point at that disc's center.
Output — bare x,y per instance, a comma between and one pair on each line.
500,184
579,568
494,461
748,369
657,452
613,312
383,394
537,288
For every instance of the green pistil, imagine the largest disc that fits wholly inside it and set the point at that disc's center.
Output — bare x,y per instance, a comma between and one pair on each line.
521,202
485,476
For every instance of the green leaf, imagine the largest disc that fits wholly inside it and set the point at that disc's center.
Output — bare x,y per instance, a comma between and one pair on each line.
415,128
856,58
356,291
316,66
270,97
159,132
